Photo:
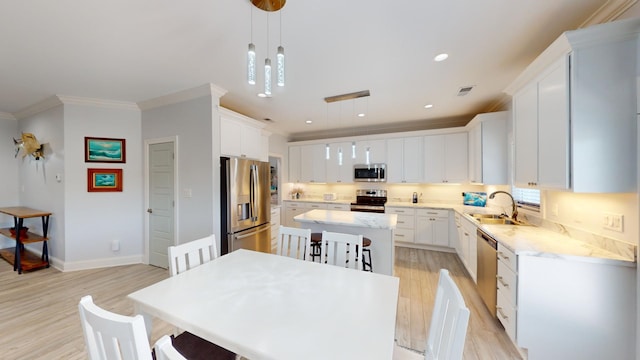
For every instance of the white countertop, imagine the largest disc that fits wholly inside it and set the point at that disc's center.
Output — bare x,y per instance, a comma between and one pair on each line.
349,218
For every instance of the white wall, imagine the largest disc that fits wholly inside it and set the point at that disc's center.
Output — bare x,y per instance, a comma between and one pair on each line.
9,188
94,219
37,186
194,122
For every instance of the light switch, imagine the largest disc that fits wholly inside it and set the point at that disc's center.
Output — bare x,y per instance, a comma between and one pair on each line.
187,193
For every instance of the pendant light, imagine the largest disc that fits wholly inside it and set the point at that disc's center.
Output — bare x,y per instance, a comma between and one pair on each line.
280,58
267,67
251,57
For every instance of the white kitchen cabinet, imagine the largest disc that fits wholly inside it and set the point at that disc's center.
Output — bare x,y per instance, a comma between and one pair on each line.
404,160
377,151
293,208
340,164
488,148
241,136
507,281
445,158
574,112
468,247
339,207
275,227
405,227
432,227
313,163
294,163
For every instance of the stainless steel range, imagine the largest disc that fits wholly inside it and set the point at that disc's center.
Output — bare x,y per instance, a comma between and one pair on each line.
370,200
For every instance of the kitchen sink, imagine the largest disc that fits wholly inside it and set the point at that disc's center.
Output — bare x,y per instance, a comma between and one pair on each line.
495,219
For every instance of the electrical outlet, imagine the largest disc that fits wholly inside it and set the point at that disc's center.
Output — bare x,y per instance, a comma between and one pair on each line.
613,221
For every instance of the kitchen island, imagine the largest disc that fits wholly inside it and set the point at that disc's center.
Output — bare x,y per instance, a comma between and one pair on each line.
377,227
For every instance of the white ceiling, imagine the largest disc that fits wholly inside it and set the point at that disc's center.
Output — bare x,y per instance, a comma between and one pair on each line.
138,50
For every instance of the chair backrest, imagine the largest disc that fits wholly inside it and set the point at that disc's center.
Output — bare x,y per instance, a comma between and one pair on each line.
189,255
294,242
341,249
449,320
165,351
111,336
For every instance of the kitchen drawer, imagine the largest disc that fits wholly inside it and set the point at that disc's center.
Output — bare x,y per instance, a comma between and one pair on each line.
506,313
406,222
439,213
404,235
509,257
316,206
400,211
507,282
343,207
294,205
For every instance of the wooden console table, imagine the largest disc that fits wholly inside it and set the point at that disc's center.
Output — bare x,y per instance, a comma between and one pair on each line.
18,256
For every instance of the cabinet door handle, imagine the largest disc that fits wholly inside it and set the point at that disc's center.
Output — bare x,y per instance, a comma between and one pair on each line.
502,255
502,282
399,235
150,211
499,309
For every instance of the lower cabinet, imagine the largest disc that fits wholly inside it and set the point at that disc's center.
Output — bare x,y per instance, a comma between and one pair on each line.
294,208
432,227
467,246
507,280
405,227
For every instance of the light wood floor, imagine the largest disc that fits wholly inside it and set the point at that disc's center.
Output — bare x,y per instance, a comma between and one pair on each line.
39,314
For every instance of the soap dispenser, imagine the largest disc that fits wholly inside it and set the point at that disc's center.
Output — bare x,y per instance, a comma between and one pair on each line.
415,198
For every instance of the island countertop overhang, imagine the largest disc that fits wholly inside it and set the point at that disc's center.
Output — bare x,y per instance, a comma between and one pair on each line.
349,218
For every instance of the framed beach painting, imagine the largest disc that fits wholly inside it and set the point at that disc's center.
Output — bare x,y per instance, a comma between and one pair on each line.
104,150
104,180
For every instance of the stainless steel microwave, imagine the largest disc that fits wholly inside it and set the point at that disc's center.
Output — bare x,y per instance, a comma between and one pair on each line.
370,173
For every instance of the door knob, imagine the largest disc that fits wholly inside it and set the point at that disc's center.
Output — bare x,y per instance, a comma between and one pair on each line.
149,210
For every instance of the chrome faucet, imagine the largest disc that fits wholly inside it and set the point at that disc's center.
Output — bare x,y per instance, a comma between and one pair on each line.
514,209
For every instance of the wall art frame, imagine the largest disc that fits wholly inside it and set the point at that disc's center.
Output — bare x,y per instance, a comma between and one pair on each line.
104,180
105,150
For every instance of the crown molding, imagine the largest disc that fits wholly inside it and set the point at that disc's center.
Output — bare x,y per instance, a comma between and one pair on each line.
6,116
39,107
76,100
181,96
610,11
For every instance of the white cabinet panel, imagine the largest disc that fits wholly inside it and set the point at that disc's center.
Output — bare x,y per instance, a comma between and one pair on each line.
404,160
340,164
241,136
488,149
313,163
377,151
294,163
445,158
525,114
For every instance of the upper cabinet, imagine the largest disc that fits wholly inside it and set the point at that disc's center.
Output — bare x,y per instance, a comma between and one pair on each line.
340,163
371,152
488,148
313,163
242,136
404,160
574,112
445,158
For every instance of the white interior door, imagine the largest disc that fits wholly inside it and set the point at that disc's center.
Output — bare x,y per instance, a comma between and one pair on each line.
161,211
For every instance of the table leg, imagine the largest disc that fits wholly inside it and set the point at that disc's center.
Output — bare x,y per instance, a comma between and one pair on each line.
45,246
148,319
17,264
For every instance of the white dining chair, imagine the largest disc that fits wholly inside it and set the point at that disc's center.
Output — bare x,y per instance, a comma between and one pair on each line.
341,249
110,336
165,351
294,242
448,328
191,254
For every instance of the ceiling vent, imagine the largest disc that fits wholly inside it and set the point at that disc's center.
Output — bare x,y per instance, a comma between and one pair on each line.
464,90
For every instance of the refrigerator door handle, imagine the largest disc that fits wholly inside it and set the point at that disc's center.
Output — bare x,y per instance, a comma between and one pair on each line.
253,196
259,230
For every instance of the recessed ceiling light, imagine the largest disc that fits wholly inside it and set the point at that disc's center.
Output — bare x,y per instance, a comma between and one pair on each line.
361,115
441,57
308,122
262,95
428,106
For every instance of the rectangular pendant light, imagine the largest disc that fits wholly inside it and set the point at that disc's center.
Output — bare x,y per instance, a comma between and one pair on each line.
280,65
340,156
267,77
353,150
251,64
327,152
367,156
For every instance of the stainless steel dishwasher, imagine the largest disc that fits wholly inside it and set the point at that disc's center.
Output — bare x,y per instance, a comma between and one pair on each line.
487,270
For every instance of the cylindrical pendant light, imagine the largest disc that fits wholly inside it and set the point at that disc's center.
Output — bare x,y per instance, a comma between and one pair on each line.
267,77
280,64
251,64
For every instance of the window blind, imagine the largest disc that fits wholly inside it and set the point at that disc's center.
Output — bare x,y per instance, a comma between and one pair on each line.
527,198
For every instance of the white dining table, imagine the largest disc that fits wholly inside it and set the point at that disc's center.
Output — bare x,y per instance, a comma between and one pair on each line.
265,306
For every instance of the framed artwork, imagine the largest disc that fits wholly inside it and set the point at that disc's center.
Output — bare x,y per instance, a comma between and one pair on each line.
102,180
104,150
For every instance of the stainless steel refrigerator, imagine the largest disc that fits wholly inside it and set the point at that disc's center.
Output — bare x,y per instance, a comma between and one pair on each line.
246,213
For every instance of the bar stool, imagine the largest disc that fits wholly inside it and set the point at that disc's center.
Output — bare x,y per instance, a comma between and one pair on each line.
366,253
316,242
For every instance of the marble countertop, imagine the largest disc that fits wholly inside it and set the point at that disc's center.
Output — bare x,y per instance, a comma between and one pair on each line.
349,218
320,200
